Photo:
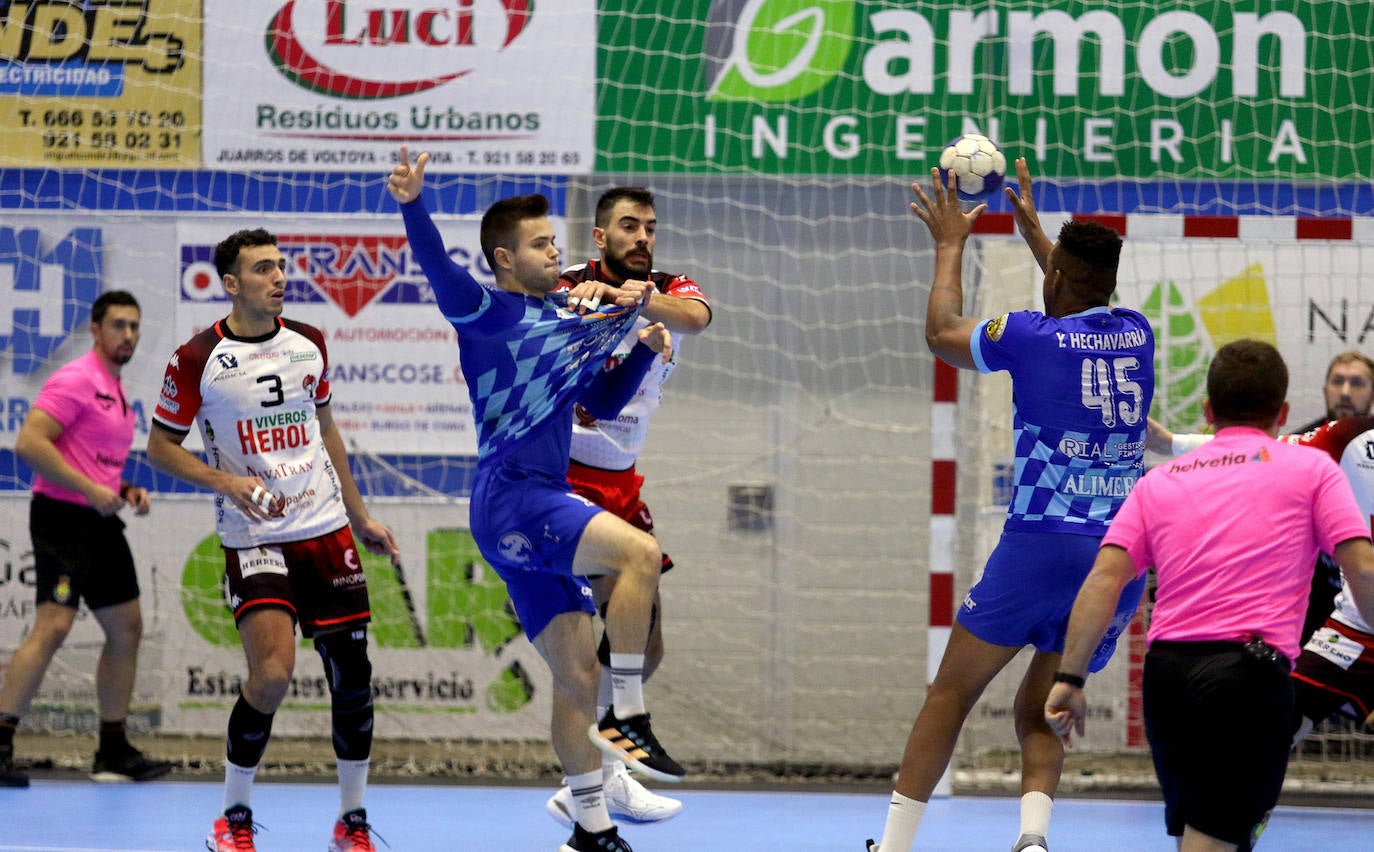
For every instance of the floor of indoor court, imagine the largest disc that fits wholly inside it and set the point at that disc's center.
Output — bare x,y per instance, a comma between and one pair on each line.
68,815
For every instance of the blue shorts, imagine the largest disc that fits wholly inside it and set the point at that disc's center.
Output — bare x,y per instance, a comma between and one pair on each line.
1027,591
528,525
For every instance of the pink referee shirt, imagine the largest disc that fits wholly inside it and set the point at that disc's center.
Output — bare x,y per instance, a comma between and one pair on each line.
1232,530
97,424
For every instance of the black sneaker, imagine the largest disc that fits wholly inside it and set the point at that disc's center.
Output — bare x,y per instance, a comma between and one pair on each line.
128,766
632,741
603,841
9,775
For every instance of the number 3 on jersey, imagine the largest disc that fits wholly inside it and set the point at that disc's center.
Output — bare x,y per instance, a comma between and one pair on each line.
1108,387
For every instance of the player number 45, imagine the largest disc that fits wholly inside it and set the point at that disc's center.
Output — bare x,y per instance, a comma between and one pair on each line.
1108,387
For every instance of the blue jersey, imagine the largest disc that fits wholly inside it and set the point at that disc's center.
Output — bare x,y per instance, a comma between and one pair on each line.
526,359
1081,389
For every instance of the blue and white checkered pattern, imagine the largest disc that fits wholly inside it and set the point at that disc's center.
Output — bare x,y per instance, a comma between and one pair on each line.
529,374
1082,386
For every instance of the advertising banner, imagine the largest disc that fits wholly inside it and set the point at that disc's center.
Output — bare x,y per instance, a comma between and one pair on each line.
394,372
1240,91
395,378
449,659
100,84
482,85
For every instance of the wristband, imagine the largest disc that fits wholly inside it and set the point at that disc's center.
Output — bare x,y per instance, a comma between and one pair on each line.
124,490
1071,679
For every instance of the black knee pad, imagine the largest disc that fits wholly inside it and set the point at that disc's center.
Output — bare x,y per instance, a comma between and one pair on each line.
349,674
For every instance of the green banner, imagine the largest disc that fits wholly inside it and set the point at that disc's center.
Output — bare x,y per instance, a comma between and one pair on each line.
1158,91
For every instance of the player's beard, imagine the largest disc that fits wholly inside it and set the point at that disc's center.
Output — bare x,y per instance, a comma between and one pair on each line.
623,271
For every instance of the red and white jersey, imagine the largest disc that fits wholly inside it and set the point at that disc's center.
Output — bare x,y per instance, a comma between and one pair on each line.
1350,441
616,444
254,401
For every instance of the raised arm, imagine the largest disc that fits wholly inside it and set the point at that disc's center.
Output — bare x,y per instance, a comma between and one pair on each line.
948,331
456,292
1027,219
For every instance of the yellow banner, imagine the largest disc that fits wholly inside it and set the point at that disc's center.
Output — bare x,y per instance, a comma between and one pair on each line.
111,85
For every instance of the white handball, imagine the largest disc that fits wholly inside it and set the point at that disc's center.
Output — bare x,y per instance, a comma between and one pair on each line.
979,166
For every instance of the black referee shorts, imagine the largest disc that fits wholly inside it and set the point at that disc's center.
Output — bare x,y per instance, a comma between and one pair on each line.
80,555
1219,723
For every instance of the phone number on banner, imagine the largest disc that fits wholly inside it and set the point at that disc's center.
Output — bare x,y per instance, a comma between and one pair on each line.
137,130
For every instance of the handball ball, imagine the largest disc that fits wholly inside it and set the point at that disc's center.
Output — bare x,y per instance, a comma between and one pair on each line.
978,165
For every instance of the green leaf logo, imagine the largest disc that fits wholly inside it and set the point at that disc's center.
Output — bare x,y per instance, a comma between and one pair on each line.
779,50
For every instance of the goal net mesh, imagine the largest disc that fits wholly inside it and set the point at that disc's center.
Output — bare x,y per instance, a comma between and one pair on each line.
789,468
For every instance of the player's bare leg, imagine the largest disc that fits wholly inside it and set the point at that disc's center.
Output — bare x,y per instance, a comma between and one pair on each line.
968,666
1042,752
568,645
626,798
116,759
611,546
1195,841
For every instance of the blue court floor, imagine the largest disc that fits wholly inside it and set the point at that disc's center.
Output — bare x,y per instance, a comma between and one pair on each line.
173,816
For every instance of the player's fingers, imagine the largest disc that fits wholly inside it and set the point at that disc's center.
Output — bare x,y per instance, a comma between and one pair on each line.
1023,177
420,162
921,194
937,189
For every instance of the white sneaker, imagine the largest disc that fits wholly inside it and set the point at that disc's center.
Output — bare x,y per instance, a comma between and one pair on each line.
1030,843
626,799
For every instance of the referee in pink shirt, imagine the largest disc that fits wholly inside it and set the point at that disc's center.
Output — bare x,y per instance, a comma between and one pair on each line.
76,438
1232,530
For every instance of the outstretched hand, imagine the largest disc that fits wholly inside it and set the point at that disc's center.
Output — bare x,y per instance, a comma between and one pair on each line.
947,221
658,338
405,180
1023,205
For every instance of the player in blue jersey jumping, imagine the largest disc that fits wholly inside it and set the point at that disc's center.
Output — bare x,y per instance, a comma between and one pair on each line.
528,358
1082,382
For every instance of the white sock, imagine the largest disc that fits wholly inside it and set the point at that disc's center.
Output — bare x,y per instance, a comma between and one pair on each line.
627,684
903,818
352,784
609,767
1035,813
238,784
589,803
605,694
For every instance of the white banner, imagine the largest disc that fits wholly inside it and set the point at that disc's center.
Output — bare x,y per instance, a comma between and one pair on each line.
394,373
452,663
484,86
